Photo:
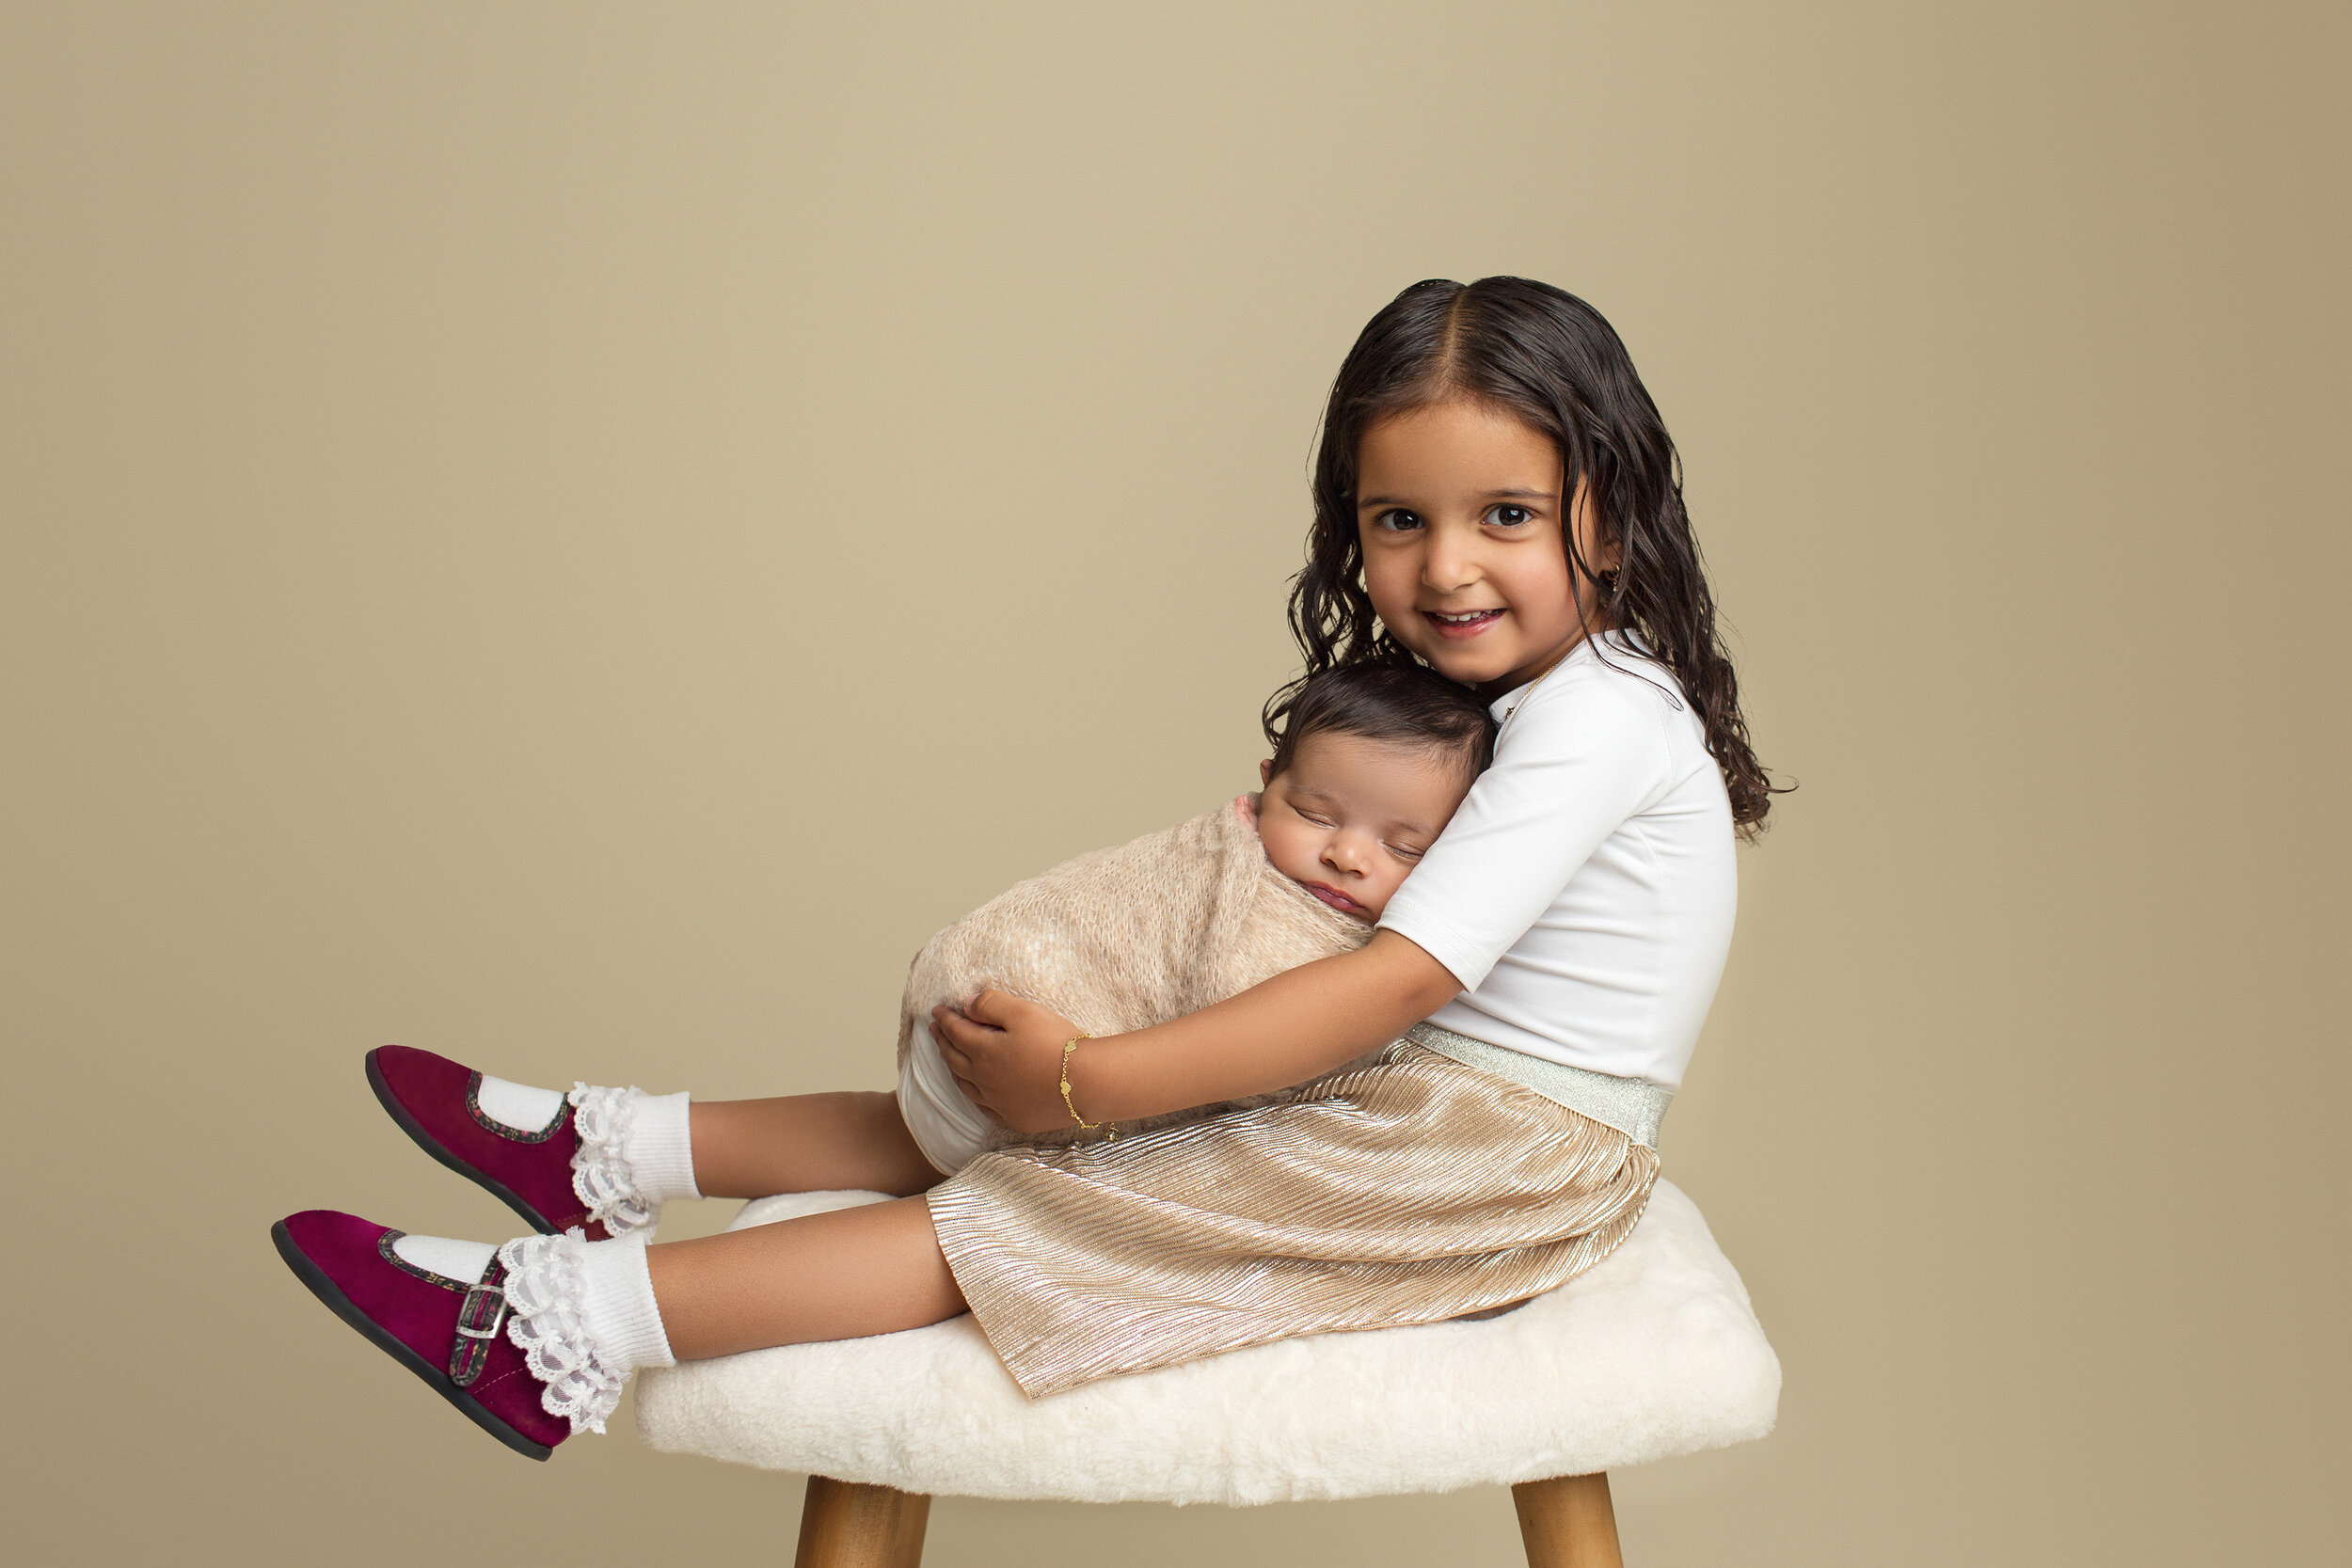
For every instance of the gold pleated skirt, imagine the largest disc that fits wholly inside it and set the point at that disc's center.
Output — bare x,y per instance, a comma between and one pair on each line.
1409,1190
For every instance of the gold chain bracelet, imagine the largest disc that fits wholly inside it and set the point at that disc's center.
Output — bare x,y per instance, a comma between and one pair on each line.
1068,1049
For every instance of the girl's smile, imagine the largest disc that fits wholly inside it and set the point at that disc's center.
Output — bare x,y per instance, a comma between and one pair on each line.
1467,625
1457,507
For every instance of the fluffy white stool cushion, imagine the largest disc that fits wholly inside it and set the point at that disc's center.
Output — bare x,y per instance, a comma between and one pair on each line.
1655,1352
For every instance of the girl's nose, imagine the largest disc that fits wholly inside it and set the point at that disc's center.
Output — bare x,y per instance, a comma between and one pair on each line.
1341,852
1448,558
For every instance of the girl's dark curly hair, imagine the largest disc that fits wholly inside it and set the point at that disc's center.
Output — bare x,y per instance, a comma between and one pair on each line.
1553,361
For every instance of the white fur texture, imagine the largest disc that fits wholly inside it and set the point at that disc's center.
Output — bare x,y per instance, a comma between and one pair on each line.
1654,1352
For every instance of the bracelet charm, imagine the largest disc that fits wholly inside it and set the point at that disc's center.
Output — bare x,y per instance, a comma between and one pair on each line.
1068,1050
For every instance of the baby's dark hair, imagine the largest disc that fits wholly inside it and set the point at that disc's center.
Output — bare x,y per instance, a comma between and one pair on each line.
1386,700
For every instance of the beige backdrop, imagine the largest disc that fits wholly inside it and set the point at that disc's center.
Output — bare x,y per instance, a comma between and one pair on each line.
576,536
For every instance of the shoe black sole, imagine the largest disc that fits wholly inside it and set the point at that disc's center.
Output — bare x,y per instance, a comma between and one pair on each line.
339,1304
432,1145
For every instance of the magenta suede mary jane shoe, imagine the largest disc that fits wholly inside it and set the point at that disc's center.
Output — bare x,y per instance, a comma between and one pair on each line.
438,1102
449,1332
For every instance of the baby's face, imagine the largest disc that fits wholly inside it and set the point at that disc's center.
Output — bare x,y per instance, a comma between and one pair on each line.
1349,816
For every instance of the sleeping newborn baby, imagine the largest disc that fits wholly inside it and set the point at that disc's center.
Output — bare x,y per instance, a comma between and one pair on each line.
1369,764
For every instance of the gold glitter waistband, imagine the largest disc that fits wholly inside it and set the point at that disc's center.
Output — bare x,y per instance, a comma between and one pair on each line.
1632,1105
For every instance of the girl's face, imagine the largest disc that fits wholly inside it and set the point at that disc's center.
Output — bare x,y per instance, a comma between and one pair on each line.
1459,511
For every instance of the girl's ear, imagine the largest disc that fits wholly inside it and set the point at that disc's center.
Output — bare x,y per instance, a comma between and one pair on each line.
1596,540
1265,773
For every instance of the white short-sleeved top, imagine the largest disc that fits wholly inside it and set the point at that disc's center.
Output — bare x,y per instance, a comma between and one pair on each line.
1584,893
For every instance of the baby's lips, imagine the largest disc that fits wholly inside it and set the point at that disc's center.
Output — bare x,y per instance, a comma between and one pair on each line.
1334,897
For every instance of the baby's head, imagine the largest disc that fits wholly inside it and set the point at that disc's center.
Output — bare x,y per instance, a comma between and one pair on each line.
1368,765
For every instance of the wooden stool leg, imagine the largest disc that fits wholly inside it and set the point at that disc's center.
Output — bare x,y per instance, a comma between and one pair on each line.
1566,1522
847,1523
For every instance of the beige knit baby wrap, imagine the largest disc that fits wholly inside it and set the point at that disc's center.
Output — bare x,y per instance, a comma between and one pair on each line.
1113,941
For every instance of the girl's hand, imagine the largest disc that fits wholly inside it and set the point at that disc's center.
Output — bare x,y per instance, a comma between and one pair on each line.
1006,1054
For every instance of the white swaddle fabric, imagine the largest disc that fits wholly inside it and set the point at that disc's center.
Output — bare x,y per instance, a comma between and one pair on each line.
947,1127
1114,939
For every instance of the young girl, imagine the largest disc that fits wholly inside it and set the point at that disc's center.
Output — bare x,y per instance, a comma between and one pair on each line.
1495,494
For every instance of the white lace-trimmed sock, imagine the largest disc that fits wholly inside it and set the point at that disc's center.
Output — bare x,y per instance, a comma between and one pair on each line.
636,1152
516,1105
460,1261
585,1317
636,1149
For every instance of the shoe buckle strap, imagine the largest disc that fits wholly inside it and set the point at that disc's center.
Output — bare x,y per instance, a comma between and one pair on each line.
478,1322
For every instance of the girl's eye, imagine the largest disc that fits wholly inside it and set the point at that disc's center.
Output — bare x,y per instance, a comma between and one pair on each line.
1405,851
1396,520
1509,516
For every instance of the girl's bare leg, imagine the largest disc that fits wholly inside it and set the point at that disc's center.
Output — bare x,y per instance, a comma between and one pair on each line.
841,1276
806,1143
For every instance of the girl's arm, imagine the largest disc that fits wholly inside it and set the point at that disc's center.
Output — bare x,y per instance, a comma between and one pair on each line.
1008,1053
